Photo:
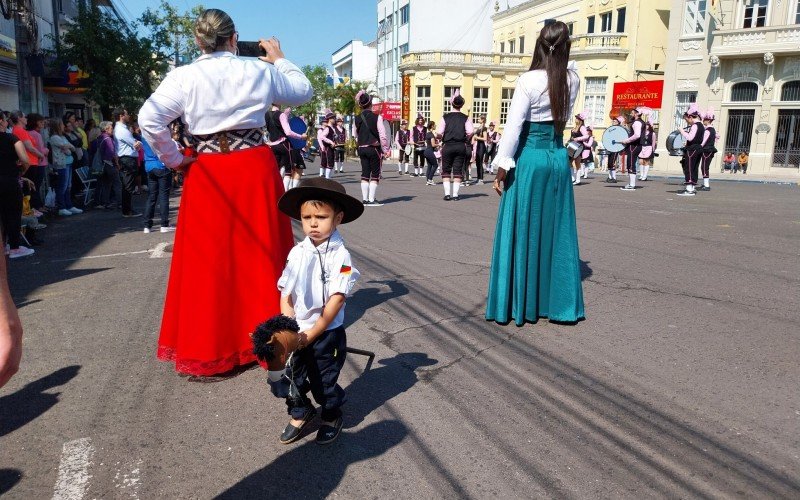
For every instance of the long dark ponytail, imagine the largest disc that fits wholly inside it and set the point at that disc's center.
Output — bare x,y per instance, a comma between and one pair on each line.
552,55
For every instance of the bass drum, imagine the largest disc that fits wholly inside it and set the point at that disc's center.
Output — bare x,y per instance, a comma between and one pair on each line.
613,137
675,143
574,149
409,149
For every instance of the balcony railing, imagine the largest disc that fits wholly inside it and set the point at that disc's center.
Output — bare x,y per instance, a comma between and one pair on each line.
465,60
606,44
756,41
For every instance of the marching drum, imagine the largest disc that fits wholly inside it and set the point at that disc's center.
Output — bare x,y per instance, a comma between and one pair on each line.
675,143
409,149
298,126
574,149
613,137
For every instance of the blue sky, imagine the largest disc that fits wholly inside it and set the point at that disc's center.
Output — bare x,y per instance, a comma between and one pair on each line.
309,30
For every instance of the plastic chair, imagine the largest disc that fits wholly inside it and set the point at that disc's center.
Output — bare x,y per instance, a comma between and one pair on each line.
88,183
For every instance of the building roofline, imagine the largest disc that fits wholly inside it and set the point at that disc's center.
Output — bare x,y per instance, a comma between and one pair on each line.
515,9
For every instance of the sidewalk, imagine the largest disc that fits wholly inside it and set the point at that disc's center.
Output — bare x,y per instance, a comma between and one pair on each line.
785,179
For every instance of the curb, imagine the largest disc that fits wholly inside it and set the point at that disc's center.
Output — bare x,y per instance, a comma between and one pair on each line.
781,182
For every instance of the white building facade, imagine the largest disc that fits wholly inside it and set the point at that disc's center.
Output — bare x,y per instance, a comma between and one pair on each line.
356,60
421,25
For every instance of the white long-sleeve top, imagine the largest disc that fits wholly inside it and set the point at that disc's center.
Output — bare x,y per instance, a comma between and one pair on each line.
531,102
302,278
218,92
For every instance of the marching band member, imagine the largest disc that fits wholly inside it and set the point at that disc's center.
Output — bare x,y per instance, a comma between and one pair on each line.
493,140
648,145
611,161
710,136
373,147
341,139
419,145
279,133
588,153
431,145
692,153
479,152
454,128
634,147
401,139
327,144
580,133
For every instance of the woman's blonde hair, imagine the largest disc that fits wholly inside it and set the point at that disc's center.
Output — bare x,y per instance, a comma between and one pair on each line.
212,29
56,126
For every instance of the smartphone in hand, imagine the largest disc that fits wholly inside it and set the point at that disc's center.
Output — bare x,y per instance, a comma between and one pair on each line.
250,49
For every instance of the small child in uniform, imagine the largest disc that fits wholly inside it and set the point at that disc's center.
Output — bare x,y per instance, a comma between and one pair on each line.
318,276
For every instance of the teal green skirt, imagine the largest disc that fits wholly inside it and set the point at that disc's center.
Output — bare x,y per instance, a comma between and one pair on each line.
535,269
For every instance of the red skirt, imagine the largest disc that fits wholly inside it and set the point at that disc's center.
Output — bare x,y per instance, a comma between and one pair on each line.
230,249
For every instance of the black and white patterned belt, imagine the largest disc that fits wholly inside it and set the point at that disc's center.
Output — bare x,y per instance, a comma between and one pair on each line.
229,140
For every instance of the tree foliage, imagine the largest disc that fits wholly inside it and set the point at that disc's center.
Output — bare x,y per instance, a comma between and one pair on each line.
119,63
344,97
318,76
172,32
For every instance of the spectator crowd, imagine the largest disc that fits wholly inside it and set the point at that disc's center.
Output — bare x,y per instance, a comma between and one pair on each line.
50,165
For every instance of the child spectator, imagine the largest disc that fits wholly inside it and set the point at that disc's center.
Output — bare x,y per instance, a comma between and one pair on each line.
742,161
317,278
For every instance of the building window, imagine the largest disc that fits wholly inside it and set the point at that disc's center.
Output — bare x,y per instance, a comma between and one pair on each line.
511,45
791,91
404,15
403,49
605,22
502,47
505,103
480,102
797,14
571,28
590,25
695,17
755,14
594,99
381,62
390,59
522,45
682,102
424,102
621,20
744,92
448,93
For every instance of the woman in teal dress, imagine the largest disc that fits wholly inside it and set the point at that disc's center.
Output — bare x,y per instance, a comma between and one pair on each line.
535,269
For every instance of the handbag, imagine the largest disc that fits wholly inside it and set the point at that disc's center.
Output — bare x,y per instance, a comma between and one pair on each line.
97,166
50,198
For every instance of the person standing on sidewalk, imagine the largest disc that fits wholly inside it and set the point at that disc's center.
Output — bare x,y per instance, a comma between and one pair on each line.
14,161
159,184
127,154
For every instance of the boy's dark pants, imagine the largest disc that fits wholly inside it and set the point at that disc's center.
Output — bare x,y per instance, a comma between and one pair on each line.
316,368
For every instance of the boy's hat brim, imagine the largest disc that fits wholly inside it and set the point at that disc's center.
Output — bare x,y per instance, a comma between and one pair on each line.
320,188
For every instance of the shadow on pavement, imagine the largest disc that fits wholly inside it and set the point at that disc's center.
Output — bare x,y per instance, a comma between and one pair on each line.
8,479
374,388
397,199
367,298
586,271
30,402
473,195
314,471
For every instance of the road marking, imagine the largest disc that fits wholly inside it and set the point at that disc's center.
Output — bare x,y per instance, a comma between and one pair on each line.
160,250
73,471
129,482
103,256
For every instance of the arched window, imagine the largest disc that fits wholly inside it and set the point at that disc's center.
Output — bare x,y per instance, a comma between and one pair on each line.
744,92
791,91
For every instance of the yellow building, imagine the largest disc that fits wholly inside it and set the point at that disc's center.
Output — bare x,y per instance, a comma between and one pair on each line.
485,80
613,41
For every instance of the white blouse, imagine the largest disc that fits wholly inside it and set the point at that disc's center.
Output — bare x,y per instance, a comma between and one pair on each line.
531,102
217,92
310,288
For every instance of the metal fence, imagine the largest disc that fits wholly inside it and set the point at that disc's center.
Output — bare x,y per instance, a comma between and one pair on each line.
740,130
787,139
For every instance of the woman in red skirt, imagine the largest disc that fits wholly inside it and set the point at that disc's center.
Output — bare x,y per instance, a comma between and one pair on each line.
232,242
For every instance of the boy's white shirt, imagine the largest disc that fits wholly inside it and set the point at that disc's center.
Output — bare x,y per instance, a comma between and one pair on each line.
302,279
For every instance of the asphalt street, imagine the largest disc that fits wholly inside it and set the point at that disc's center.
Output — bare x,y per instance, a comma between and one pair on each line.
682,382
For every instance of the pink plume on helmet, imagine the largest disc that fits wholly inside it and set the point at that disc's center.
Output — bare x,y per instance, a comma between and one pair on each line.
621,119
582,115
709,114
693,110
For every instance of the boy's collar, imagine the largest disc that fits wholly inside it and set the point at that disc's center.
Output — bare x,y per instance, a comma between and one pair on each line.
335,241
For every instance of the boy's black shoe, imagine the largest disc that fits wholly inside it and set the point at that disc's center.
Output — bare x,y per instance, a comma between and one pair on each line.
447,198
704,188
291,433
328,433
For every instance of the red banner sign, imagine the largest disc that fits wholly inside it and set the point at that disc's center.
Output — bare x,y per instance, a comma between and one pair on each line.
392,111
632,94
